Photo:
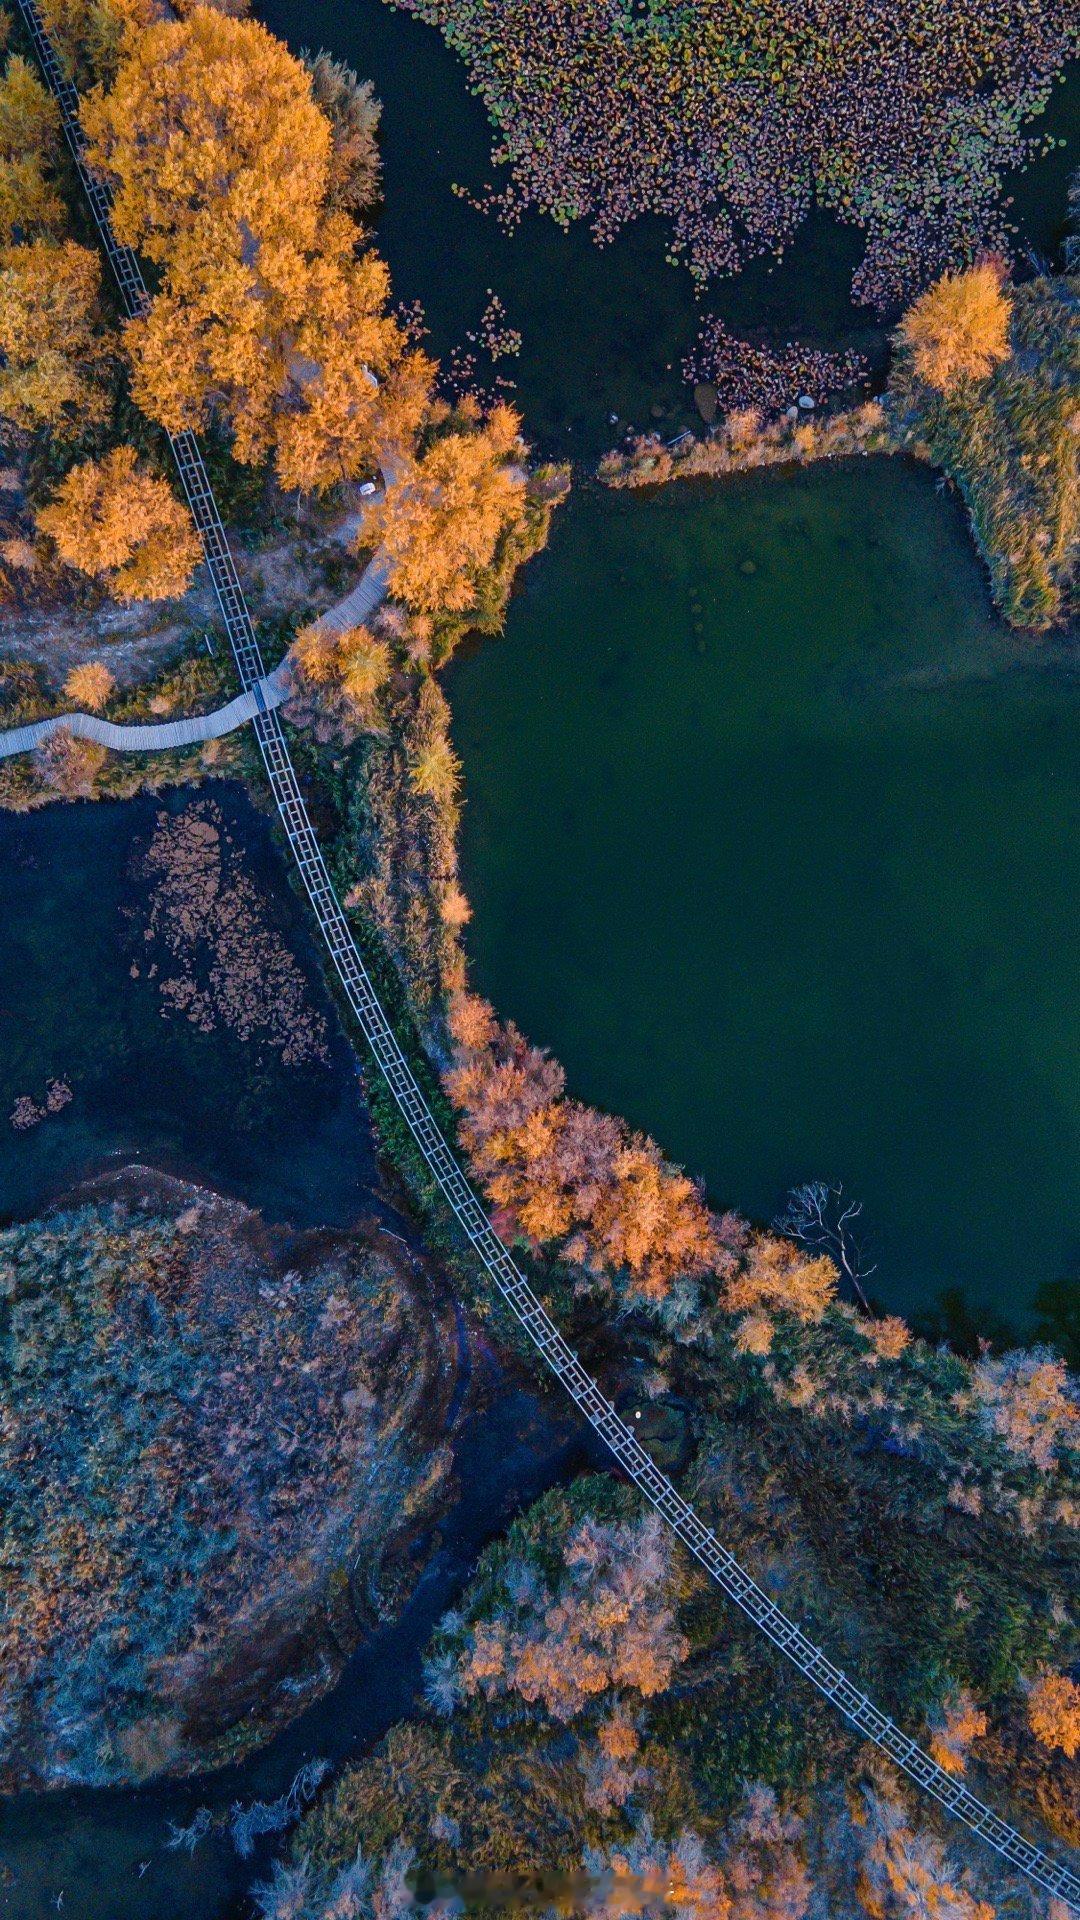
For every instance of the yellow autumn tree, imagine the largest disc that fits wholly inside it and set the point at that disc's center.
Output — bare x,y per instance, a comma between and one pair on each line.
441,519
652,1221
52,355
352,385
1054,1713
958,329
270,313
89,685
92,34
777,1274
29,150
218,159
122,526
350,668
961,1722
605,1626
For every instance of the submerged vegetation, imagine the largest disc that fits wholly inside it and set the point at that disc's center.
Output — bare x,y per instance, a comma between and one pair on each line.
729,119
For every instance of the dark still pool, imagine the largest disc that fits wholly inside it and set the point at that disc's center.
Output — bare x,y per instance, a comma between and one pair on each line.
161,1000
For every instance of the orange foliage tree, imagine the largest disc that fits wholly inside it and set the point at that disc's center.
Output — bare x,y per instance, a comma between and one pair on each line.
962,1722
442,517
606,1625
124,527
958,329
92,34
89,685
906,1873
560,1171
347,670
52,355
337,412
757,1871
268,314
29,150
1054,1713
779,1275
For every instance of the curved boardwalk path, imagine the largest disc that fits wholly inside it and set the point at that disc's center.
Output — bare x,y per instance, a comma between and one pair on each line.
269,692
1040,1867
153,738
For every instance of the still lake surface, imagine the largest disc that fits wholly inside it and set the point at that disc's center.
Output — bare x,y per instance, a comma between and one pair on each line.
772,835
293,1140
794,891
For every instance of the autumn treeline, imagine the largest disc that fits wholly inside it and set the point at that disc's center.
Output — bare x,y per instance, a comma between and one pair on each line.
593,1711
566,1176
238,173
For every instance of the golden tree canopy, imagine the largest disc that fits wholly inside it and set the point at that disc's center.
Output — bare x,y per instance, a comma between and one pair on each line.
352,388
92,34
958,329
214,147
52,353
777,1274
29,149
1054,1713
440,521
607,1626
350,667
89,685
124,527
268,314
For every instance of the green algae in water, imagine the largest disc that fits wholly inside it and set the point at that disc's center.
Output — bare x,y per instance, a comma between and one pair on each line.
773,835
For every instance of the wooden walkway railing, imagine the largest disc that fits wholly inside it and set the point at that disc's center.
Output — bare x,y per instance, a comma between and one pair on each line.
471,1216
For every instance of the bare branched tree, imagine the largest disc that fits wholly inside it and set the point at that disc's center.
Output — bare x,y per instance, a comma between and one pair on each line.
816,1217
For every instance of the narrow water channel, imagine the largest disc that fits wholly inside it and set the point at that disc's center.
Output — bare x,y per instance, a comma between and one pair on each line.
293,1140
107,1853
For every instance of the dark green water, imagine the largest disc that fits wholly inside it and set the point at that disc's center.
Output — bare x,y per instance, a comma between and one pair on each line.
774,840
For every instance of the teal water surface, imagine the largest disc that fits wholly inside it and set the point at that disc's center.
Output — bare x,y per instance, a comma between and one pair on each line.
772,834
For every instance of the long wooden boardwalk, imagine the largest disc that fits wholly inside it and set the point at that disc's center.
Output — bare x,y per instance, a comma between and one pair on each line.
458,1194
156,737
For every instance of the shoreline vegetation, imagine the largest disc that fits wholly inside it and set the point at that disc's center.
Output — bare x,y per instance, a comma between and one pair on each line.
593,1705
984,386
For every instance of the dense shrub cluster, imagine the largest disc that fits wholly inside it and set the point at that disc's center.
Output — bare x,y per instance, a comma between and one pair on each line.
993,399
676,1783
